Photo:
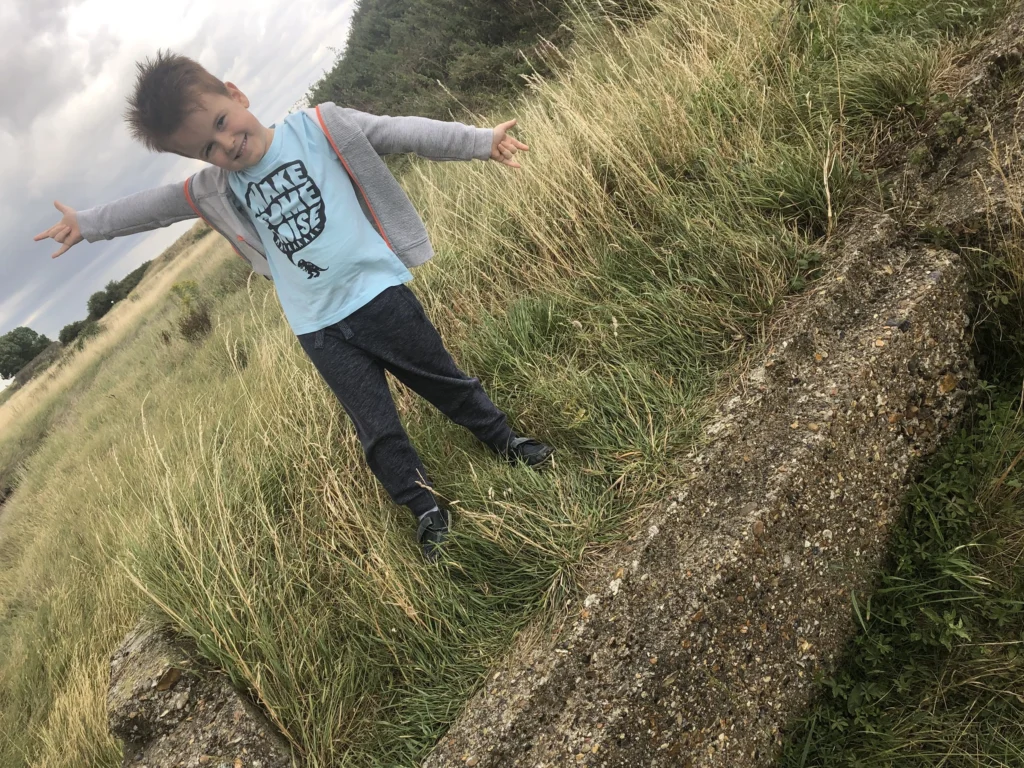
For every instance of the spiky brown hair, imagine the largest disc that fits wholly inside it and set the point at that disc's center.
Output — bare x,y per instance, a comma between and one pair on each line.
167,89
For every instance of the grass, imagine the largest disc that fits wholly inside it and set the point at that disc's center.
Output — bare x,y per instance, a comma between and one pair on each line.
681,178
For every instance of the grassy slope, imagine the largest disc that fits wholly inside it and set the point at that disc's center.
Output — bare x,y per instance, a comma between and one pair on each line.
680,176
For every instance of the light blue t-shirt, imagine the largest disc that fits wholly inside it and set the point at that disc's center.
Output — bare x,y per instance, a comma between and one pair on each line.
326,258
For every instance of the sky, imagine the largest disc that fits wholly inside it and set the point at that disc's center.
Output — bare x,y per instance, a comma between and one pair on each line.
67,68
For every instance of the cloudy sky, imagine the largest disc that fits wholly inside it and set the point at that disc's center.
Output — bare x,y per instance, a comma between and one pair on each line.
67,66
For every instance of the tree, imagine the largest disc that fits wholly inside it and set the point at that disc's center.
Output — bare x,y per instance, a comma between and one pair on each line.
18,347
133,278
99,304
114,291
70,332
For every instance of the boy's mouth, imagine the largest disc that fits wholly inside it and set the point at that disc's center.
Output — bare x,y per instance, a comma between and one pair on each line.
241,149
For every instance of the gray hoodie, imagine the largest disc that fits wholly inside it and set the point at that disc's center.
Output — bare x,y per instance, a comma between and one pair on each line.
358,138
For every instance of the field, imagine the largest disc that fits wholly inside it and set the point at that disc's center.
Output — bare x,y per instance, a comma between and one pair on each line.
683,177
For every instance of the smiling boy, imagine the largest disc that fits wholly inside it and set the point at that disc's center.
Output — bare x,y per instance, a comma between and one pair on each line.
310,204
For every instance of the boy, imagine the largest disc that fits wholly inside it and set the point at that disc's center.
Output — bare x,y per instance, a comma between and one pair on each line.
310,204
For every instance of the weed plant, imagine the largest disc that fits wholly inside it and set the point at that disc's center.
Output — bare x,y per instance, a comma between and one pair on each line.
681,178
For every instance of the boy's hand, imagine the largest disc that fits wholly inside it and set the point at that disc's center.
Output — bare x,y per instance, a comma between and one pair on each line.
504,147
65,231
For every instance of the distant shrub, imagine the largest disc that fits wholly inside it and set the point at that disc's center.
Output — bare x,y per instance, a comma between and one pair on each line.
195,324
70,332
130,281
90,329
194,321
39,363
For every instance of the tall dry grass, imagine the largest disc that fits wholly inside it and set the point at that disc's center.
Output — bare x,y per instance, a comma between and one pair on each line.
681,176
122,320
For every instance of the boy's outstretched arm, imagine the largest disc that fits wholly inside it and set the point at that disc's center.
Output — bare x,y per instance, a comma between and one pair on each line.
65,231
141,212
432,139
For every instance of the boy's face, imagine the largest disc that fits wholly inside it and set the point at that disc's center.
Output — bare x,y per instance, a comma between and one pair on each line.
222,132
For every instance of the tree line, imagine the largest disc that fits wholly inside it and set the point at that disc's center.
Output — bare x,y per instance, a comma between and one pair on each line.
442,58
20,346
101,302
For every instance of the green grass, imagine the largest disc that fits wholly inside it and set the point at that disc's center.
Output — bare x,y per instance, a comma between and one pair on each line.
681,177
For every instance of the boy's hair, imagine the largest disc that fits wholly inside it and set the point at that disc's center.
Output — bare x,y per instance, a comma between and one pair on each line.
166,91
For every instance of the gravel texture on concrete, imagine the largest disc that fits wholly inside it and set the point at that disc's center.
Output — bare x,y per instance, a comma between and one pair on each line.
172,713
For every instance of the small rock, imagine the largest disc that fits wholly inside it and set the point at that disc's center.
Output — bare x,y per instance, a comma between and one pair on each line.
168,679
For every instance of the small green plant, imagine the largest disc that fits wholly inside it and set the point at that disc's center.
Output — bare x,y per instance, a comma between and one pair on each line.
920,156
950,126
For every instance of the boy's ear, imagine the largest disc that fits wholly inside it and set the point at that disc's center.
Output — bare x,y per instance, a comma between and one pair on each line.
237,95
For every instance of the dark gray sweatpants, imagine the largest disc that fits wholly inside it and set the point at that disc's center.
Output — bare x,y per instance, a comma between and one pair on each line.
392,333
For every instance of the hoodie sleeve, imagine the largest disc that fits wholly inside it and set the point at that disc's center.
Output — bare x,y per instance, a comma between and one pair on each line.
143,211
432,139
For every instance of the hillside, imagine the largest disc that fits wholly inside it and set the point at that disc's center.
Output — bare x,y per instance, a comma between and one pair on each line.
686,177
442,58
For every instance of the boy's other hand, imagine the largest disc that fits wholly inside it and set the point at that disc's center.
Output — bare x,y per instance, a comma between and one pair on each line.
504,147
65,231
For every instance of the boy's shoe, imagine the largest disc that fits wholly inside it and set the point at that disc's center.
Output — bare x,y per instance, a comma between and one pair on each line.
527,450
432,532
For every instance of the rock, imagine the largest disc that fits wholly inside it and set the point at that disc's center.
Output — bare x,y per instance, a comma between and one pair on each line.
716,597
169,711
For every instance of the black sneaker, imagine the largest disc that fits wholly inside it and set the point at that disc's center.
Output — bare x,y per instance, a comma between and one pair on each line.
432,532
526,450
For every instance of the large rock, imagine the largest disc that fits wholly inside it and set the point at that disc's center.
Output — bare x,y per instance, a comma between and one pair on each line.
705,635
172,713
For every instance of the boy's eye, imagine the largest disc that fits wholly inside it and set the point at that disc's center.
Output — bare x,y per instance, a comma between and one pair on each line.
207,150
